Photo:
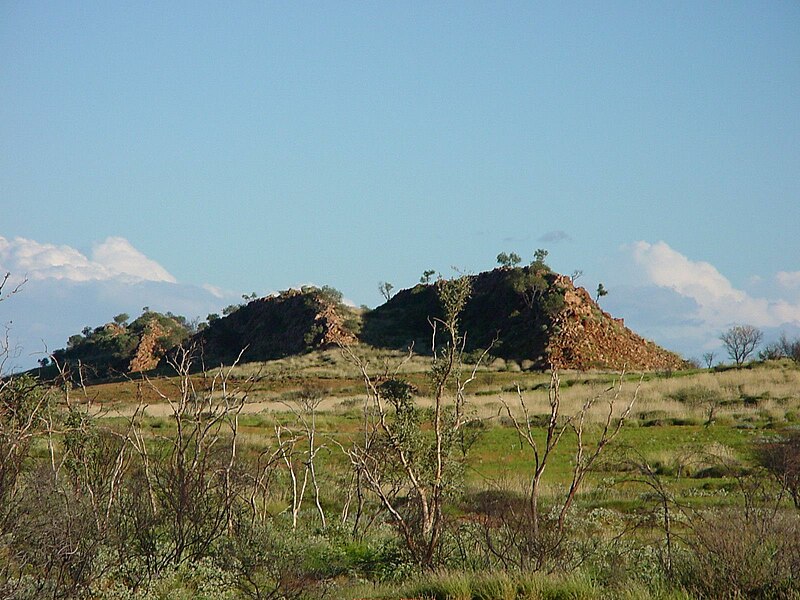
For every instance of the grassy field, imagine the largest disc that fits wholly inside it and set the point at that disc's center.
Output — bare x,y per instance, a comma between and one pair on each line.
683,424
687,447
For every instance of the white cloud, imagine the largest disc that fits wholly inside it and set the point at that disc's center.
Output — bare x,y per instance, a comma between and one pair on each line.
684,304
67,289
719,303
119,257
789,279
215,291
114,258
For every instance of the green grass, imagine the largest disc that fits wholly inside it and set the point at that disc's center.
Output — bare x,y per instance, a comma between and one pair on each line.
462,585
668,428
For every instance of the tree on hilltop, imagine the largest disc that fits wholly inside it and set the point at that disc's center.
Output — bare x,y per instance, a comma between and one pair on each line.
538,259
385,288
601,291
508,260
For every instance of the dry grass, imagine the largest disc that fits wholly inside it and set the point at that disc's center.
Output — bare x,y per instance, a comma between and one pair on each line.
766,393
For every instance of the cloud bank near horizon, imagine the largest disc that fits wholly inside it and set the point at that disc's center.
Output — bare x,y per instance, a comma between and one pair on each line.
113,258
718,303
684,304
67,290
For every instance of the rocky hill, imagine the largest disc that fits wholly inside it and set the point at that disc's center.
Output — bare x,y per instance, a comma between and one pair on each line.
121,347
589,337
292,322
527,314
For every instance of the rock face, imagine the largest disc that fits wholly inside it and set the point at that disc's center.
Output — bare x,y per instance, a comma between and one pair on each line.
292,322
587,337
149,351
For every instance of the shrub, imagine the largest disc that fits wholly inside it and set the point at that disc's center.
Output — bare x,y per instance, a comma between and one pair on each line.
781,458
735,553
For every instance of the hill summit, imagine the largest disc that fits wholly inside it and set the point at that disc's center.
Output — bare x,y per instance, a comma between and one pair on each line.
528,314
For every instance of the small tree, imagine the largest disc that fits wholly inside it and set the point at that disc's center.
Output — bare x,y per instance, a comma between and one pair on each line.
230,309
385,288
708,358
534,545
121,319
741,341
782,348
508,260
781,457
538,263
411,458
426,276
790,348
601,291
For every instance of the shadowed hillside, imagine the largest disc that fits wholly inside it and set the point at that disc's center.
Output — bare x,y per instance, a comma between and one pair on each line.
292,322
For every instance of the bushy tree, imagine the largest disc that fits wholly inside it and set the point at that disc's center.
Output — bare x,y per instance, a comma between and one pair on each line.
426,276
230,309
531,284
601,291
331,294
508,260
538,259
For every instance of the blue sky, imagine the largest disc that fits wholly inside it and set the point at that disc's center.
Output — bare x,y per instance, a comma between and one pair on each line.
257,146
